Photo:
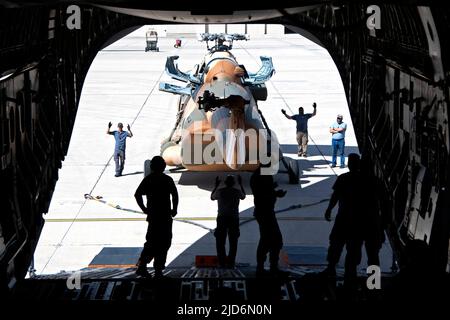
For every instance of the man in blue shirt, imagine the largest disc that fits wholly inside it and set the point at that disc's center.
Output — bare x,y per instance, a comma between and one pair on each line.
119,150
337,130
302,128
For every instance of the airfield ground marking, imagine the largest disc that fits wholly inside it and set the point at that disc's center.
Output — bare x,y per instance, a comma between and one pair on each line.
177,219
100,176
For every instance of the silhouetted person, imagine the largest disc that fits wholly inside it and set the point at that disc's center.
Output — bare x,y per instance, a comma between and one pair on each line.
227,218
271,241
349,190
119,149
337,130
376,204
157,187
302,128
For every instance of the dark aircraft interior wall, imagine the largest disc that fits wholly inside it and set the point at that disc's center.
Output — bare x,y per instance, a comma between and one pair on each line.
396,82
395,78
44,65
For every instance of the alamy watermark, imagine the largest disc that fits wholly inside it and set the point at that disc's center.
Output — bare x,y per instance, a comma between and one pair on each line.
233,147
73,21
374,20
74,281
374,277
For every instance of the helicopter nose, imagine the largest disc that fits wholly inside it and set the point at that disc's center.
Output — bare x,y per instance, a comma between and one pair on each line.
235,150
229,120
230,126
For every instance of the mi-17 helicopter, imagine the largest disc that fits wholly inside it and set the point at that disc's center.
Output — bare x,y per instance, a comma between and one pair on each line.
219,126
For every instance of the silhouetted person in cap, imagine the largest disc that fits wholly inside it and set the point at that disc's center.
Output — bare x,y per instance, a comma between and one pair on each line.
227,218
119,148
271,241
349,190
158,188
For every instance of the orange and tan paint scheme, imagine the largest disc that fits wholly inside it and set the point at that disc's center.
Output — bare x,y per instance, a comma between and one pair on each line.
227,138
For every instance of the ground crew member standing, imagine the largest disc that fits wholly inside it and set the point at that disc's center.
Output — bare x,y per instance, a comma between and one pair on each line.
157,187
337,130
271,240
119,150
302,128
227,218
349,190
377,211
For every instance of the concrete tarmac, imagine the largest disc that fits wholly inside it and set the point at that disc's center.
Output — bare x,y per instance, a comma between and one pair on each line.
122,86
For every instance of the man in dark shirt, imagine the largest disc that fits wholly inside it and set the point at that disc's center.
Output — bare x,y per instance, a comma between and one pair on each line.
158,188
227,218
119,149
377,211
302,128
271,241
349,190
